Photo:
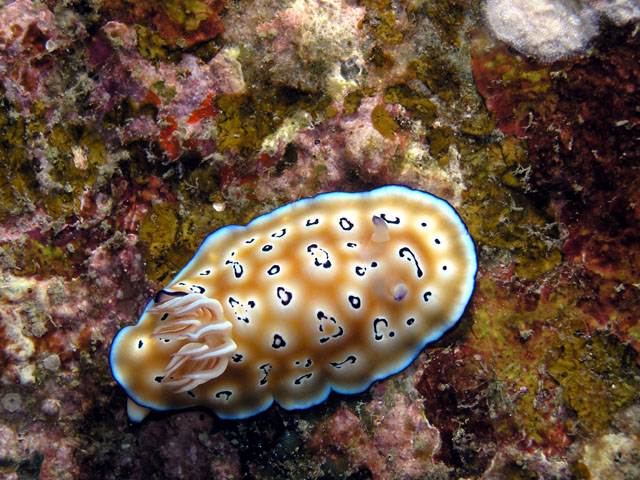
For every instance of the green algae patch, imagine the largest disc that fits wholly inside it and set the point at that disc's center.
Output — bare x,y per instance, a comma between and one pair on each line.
153,47
352,102
18,183
480,125
383,123
447,16
438,74
382,20
417,104
439,140
245,120
187,13
171,232
500,215
379,58
599,376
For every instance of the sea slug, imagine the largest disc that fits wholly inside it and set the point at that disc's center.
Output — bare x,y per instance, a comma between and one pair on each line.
332,292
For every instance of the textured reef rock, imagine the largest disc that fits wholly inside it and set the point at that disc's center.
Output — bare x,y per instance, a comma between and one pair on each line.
131,130
553,29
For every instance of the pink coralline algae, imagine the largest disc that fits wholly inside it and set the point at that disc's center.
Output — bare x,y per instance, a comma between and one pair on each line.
394,440
30,42
174,99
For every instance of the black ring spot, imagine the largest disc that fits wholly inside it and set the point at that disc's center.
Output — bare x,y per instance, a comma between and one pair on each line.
278,341
314,222
267,248
284,296
355,301
273,269
426,296
345,224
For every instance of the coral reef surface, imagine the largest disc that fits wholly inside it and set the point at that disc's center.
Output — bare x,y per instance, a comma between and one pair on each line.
129,131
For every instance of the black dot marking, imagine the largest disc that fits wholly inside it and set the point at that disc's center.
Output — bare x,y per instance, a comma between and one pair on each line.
227,394
279,234
426,296
410,321
321,316
267,247
312,222
236,305
273,269
423,224
444,267
306,376
166,340
278,342
320,256
377,335
237,358
374,264
351,359
395,221
355,301
284,296
140,343
205,273
392,333
159,378
251,240
197,289
164,317
266,368
345,224
233,253
165,295
297,362
308,363
238,269
191,394
360,271
406,252
181,284
352,245
437,241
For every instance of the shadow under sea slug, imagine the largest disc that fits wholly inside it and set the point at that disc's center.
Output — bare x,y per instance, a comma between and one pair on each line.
332,292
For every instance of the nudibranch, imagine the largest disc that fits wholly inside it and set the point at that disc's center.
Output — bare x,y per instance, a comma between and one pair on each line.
327,293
